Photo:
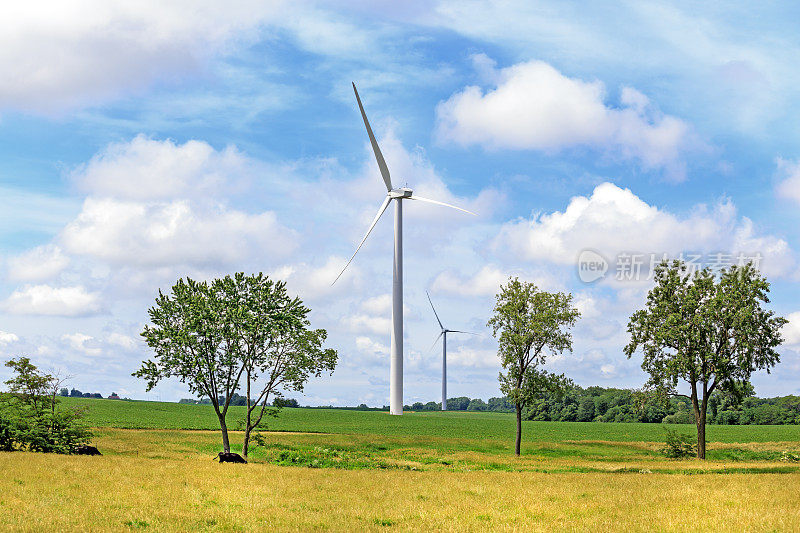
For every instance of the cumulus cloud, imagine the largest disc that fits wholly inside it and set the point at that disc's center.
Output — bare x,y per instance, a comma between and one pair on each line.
372,352
487,281
149,169
315,281
7,338
53,301
534,106
81,342
380,325
791,331
464,356
166,233
37,264
158,203
789,186
121,340
613,220
67,54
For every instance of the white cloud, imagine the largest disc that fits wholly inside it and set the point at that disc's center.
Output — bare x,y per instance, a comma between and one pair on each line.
608,371
380,325
464,356
148,169
791,331
37,264
789,186
534,106
487,281
78,342
54,301
157,203
373,352
7,338
166,233
63,54
378,305
312,281
121,340
614,220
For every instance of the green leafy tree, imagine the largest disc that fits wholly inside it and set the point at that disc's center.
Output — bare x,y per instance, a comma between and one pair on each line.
529,324
711,332
194,336
29,419
237,331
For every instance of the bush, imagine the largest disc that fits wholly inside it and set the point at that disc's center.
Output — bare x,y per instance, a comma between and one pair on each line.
678,445
29,419
7,434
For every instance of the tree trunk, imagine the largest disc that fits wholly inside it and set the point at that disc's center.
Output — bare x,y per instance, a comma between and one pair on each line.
246,444
519,430
226,445
700,408
701,436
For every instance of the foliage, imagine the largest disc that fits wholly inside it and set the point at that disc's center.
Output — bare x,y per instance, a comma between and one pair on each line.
708,331
214,335
29,418
678,445
196,340
530,324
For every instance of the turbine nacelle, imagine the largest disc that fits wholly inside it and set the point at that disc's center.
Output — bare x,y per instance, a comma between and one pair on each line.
403,192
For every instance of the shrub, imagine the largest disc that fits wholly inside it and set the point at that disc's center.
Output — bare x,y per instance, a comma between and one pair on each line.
678,445
29,419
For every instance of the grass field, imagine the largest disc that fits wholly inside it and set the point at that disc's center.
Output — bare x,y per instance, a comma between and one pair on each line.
468,425
351,470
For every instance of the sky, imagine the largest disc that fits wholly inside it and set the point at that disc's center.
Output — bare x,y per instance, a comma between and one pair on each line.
142,142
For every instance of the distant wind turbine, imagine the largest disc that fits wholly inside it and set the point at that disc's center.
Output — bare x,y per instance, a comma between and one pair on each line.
404,193
443,335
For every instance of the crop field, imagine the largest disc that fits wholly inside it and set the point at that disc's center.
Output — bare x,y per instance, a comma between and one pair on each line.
322,469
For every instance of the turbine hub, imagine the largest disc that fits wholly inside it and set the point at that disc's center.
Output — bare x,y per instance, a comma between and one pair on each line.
403,192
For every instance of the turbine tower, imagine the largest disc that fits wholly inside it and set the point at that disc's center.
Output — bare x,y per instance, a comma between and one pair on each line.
398,195
443,335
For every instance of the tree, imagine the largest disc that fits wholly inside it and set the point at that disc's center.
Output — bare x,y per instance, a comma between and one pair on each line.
213,335
530,324
29,419
195,339
709,331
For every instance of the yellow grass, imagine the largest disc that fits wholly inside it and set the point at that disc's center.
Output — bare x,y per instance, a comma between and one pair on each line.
160,481
48,493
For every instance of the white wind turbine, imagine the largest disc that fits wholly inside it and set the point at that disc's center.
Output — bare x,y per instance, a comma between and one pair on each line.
443,335
398,195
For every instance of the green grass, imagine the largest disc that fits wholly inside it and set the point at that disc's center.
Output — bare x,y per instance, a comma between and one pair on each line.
453,425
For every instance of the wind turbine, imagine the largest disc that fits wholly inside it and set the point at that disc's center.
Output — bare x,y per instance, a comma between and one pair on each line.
443,334
398,195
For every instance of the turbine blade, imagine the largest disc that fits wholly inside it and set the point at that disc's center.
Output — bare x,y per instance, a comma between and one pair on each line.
437,340
467,332
421,199
381,209
378,155
434,311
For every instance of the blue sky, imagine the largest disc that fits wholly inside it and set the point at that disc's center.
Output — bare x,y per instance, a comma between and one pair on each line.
142,142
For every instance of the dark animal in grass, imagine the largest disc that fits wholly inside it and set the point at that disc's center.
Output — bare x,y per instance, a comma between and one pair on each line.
230,457
85,449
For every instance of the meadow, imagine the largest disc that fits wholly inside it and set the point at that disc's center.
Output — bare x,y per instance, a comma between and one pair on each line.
324,469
